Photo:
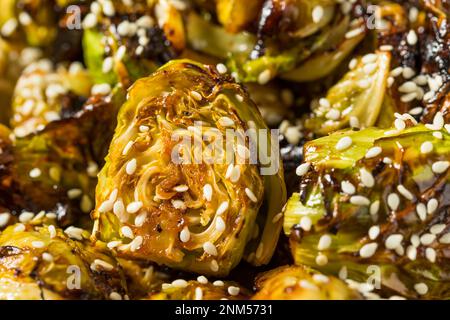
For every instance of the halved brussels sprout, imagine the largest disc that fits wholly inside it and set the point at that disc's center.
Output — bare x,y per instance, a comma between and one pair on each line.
172,192
201,289
357,97
124,42
372,206
45,263
301,283
43,95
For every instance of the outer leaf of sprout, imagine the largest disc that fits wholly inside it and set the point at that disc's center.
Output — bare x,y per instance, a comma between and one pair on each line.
235,15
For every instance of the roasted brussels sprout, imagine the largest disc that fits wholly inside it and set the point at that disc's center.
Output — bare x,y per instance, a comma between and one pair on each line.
123,42
45,263
201,289
376,199
301,283
167,196
43,95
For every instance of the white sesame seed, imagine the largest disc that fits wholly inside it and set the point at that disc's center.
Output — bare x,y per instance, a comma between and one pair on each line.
293,135
101,89
353,63
438,135
113,244
421,288
440,166
359,201
26,216
136,243
127,232
367,178
317,14
134,207
321,259
131,167
430,254
264,77
354,122
19,228
413,14
354,33
74,233
179,283
386,47
233,291
445,239
197,96
4,219
405,192
108,64
37,244
181,188
408,97
368,250
207,192
305,223
347,187
343,273
118,208
106,206
427,239
411,253
374,232
437,228
396,72
344,143
324,242
108,8
221,68
178,204
220,224
251,195
374,207
222,208
411,38
52,231
9,27
144,128
226,122
373,152
320,278
393,201
218,283
202,279
302,169
198,294
35,173
421,210
47,257
115,296
408,87
277,217
333,114
74,193
370,68
426,147
235,174
432,205
185,235
92,169
390,81
369,58
393,241
210,248
364,84
408,73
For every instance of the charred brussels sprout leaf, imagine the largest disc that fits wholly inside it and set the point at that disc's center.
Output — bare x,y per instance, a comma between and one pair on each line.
43,263
376,198
167,194
301,283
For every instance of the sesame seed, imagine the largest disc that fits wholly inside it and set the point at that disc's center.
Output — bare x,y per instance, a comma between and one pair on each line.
408,73
415,240
364,84
221,68
222,208
324,242
438,135
207,192
393,241
354,122
106,206
277,217
197,96
178,204
92,169
396,72
408,97
344,143
426,147
321,278
353,63
131,167
113,244
440,166
367,178
386,47
108,64
179,283
35,173
210,248
370,68
321,259
202,279
354,33
411,38
373,152
220,224
108,8
427,239
421,288
4,219
302,169
413,14
251,195
136,243
144,128
47,257
359,201
405,192
74,193
438,122
101,89
181,188
74,233
437,228
445,239
233,291
19,228
421,210
317,14
37,244
393,201
218,283
432,205
333,114
52,231
235,174
115,296
185,235
198,293
305,223
264,77
347,187
374,232
9,27
343,273
226,122
411,253
408,87
430,254
368,250
26,216
127,232
369,58
101,263
118,208
134,207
